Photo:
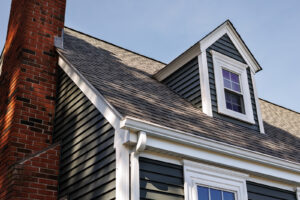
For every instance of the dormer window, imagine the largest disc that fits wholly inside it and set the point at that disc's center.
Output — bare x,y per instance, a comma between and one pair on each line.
232,87
233,94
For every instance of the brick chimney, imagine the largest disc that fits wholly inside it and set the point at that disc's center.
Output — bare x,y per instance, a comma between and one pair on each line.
28,159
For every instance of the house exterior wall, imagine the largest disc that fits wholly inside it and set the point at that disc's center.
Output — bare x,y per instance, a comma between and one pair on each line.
258,191
186,82
163,180
226,47
87,162
160,180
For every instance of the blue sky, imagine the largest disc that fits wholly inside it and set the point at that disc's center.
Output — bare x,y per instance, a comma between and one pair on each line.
162,29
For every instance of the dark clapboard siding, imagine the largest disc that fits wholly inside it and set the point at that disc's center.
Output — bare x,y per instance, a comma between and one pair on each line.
160,180
262,192
87,163
225,46
186,82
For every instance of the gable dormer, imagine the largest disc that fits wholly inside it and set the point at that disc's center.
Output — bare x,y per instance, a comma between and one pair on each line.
217,75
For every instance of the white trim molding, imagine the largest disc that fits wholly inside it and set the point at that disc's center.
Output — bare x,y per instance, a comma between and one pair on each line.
135,166
298,193
204,84
197,174
106,109
178,143
227,28
221,62
257,103
122,165
196,49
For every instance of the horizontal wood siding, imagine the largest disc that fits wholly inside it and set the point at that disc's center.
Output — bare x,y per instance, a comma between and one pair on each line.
186,82
160,180
225,46
87,160
262,192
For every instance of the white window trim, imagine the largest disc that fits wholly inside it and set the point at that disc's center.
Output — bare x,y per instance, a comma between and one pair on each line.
220,62
210,176
298,193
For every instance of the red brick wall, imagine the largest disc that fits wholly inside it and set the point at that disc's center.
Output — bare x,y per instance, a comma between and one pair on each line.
27,91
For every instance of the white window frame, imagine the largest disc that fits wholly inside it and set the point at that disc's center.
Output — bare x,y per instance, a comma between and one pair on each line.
220,62
213,177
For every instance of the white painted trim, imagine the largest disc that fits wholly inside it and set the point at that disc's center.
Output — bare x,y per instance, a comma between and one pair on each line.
204,84
174,142
135,167
135,176
178,62
214,177
220,62
195,50
227,28
258,111
122,165
141,142
271,183
298,193
107,110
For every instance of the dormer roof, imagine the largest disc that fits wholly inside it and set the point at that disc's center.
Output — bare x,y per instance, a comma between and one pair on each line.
200,46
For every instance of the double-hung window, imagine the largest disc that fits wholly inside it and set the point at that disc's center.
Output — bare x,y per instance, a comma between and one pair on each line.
209,193
232,88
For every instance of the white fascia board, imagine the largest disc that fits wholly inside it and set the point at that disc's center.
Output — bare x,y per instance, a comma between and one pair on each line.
178,62
191,146
228,29
106,109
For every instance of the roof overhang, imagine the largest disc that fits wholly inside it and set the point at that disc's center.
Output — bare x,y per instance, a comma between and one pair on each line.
189,146
201,46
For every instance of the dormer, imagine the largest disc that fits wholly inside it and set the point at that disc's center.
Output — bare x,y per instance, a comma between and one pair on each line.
217,75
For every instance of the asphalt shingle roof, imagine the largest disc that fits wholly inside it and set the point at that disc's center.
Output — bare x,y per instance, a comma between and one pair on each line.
124,78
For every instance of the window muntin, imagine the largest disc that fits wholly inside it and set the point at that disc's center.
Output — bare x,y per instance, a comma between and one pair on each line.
207,193
231,81
234,101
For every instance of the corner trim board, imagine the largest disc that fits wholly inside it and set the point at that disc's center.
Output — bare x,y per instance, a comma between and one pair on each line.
259,115
204,84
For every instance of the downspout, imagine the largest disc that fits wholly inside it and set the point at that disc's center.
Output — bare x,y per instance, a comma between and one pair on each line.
135,168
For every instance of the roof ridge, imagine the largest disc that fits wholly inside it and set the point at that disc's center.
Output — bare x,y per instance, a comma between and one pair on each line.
280,106
116,45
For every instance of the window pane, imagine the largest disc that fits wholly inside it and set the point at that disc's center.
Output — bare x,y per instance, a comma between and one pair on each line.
228,196
226,74
229,106
215,194
202,193
236,87
234,77
233,101
227,84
